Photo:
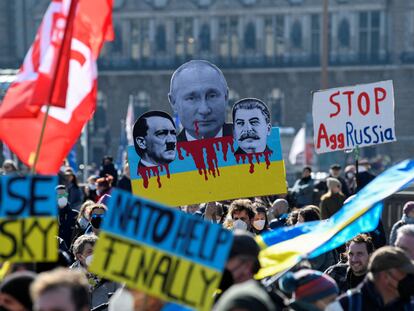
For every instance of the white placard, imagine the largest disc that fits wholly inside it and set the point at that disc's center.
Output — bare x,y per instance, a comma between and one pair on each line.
347,117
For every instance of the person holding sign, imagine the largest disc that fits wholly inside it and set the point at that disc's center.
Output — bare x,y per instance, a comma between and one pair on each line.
155,138
199,95
251,121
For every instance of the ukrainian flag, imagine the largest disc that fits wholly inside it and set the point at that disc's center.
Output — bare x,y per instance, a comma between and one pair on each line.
285,247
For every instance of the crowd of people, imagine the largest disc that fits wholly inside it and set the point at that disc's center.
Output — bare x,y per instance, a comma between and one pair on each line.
369,272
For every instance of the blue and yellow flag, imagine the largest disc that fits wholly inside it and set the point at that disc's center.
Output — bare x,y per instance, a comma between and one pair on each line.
285,247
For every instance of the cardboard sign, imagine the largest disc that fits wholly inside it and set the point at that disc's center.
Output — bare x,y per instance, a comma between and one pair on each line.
206,170
355,116
162,251
28,219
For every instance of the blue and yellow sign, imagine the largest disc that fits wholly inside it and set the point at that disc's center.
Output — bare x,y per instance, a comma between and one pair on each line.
28,219
211,170
162,251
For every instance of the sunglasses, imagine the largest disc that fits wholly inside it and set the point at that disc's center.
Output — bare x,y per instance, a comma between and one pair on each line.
98,215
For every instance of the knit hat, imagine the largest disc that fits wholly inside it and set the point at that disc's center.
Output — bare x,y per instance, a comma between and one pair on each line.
17,285
408,207
245,245
308,285
335,167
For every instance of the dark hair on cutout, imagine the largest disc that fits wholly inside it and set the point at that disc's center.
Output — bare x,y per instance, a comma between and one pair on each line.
251,103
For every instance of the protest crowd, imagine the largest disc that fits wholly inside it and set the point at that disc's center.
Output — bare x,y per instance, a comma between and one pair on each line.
369,272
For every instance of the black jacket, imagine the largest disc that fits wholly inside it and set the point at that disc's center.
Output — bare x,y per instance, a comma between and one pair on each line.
366,298
344,277
67,224
363,179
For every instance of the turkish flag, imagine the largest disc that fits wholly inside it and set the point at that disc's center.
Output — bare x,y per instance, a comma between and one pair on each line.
21,117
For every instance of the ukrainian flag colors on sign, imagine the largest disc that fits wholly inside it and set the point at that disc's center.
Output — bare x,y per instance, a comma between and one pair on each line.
28,219
283,248
162,251
207,170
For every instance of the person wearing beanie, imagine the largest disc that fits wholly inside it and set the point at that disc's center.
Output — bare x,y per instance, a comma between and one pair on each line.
15,291
389,284
310,289
407,218
242,263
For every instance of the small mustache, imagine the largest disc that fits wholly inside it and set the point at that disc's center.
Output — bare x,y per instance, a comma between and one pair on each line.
249,135
170,146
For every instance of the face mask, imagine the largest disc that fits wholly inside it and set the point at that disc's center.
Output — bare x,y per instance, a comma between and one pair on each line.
350,175
122,300
96,222
83,223
406,286
88,260
239,224
62,201
92,187
259,224
218,220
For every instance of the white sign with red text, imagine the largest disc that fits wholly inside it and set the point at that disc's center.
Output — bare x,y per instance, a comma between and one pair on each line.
354,116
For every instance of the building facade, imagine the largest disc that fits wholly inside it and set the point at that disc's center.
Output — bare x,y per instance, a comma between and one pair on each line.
269,49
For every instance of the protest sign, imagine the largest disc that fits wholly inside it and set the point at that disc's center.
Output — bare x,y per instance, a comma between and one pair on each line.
354,116
28,219
205,170
166,253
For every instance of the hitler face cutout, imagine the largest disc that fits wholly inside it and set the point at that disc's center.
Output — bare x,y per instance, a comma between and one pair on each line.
159,144
251,130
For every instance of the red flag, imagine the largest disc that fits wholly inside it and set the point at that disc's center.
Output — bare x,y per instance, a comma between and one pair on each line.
42,78
92,24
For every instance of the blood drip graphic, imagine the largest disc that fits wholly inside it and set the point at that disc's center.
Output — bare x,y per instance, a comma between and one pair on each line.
250,156
197,148
146,172
196,129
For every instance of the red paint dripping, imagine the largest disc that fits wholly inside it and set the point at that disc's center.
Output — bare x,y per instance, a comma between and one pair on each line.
197,149
146,172
257,155
196,129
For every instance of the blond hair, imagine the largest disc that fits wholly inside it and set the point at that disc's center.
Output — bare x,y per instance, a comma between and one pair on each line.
74,280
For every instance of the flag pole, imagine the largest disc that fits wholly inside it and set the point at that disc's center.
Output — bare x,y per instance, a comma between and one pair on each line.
71,12
39,144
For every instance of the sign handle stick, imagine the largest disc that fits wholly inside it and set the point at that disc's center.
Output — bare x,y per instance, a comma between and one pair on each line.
39,144
356,155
